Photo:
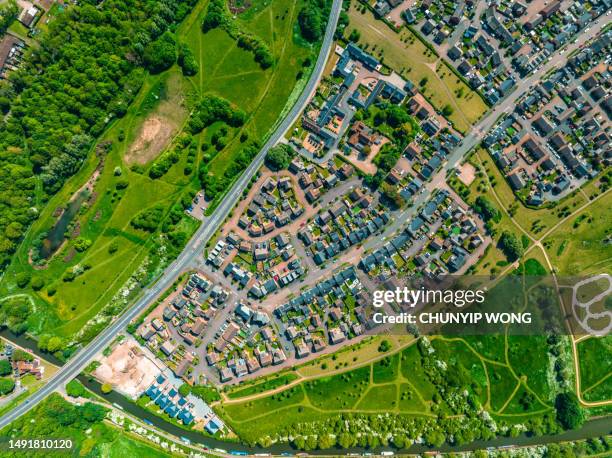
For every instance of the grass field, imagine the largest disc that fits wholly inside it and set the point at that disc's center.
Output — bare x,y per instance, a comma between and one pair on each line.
587,250
120,257
596,368
231,72
268,384
400,384
408,56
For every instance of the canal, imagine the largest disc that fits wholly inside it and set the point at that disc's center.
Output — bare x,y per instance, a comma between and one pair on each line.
592,428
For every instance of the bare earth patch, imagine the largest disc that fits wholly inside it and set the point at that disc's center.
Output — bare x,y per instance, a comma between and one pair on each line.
159,126
467,173
152,139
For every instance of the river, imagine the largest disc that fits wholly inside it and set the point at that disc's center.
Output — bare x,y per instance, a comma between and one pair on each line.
592,428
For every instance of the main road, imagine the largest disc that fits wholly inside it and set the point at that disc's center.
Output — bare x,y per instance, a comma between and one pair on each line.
194,247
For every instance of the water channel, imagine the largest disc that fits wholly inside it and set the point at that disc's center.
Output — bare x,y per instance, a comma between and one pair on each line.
593,428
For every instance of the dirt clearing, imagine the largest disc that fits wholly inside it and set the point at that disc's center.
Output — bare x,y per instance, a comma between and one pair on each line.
159,126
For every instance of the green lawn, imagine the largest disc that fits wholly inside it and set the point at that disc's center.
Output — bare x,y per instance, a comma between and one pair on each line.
596,368
262,386
231,72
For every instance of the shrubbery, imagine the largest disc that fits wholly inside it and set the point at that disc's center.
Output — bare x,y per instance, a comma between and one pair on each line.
149,219
212,109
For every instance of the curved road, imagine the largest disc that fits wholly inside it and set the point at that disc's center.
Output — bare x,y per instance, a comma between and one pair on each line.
194,247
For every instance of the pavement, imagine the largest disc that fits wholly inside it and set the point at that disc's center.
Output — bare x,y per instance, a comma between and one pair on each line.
194,247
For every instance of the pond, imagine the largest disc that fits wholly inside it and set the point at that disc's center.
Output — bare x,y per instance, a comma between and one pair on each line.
56,235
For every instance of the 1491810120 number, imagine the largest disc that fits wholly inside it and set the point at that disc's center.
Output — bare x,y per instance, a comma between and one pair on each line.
39,444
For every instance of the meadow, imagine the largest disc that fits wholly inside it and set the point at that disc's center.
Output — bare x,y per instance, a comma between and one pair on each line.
400,383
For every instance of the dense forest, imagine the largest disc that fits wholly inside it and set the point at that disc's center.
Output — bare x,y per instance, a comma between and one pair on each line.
88,68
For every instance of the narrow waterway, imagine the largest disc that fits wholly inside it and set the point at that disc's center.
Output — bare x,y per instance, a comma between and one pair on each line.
593,428
56,235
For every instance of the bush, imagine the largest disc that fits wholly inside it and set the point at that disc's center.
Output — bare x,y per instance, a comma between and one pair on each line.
22,279
75,389
6,385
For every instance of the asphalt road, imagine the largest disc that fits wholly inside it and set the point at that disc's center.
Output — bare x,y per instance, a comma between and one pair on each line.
194,247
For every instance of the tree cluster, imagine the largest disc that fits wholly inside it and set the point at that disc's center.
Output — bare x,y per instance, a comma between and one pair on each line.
312,19
187,60
149,219
279,157
84,73
212,109
511,246
486,209
8,13
160,55
261,52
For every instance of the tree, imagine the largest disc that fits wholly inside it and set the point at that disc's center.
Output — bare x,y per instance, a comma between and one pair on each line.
354,36
447,110
106,388
511,246
186,60
569,413
384,346
159,55
279,157
93,413
75,389
6,385
5,367
184,389
37,283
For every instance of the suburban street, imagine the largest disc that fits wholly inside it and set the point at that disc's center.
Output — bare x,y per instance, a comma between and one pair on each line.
191,255
194,247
